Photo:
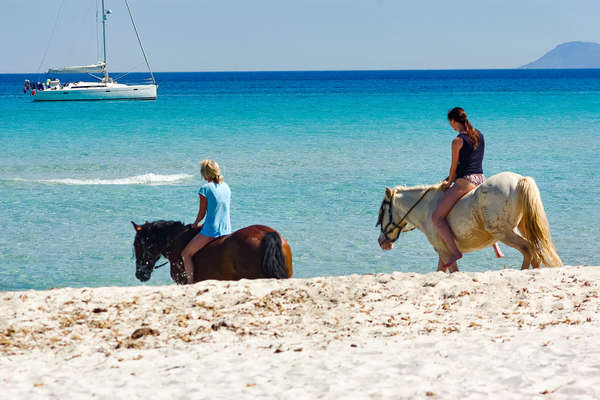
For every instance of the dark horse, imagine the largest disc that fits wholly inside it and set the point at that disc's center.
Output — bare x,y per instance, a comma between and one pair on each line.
256,251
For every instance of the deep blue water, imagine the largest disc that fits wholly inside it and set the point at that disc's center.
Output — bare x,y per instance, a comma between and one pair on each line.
308,153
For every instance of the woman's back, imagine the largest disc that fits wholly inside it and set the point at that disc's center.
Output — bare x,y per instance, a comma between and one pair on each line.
218,200
470,160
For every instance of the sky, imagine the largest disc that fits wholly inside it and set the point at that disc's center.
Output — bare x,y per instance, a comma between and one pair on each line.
249,35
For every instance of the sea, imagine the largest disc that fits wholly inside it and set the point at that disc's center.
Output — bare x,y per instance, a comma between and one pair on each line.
307,153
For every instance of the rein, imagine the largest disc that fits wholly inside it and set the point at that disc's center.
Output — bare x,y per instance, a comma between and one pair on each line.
397,225
158,266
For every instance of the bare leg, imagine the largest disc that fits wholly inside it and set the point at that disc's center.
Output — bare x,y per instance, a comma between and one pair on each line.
195,245
497,250
452,195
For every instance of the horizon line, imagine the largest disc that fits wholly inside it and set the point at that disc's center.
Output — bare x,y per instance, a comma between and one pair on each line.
329,70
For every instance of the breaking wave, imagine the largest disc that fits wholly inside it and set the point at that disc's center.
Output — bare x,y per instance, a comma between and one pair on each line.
146,179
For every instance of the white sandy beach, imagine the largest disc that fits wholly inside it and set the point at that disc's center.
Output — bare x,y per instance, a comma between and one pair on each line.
499,334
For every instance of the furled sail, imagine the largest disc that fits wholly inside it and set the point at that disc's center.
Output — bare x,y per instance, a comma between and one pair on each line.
99,67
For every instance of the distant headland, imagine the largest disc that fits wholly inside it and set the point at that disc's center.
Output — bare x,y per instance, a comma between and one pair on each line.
569,55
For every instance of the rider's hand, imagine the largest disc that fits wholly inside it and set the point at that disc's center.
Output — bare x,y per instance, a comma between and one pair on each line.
445,184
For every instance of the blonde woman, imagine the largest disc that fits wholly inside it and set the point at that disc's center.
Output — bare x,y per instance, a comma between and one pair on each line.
215,198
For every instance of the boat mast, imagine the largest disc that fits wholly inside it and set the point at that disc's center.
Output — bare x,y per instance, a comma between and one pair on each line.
104,14
140,42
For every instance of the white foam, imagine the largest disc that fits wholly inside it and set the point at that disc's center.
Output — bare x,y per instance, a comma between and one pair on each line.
146,179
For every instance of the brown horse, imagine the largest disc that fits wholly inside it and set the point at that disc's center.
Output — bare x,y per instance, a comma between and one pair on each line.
256,251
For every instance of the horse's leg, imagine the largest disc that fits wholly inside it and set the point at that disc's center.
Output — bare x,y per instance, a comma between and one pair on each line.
177,270
516,241
446,268
453,267
441,265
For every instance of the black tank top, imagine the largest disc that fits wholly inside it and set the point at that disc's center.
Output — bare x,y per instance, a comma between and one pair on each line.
470,161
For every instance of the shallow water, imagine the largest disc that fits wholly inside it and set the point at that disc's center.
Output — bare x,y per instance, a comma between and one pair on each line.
308,153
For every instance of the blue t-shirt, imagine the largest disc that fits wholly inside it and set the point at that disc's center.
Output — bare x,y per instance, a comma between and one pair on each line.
218,197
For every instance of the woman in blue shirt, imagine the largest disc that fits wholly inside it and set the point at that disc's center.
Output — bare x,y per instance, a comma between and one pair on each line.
215,198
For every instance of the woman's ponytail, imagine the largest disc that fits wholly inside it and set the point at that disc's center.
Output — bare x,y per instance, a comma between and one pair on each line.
472,134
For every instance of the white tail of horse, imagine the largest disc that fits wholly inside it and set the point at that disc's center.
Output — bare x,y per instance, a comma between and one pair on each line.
534,224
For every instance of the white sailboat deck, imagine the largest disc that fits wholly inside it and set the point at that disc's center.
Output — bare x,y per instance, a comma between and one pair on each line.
105,88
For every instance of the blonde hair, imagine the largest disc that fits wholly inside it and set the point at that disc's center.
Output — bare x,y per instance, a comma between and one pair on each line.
210,171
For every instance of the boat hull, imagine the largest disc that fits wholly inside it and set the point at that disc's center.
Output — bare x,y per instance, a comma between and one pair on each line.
124,92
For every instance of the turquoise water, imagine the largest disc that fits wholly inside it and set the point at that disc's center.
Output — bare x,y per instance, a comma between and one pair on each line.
308,153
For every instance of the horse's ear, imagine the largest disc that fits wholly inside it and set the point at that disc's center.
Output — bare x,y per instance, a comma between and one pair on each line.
388,193
136,227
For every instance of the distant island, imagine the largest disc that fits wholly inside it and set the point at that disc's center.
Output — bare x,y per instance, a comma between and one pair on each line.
569,55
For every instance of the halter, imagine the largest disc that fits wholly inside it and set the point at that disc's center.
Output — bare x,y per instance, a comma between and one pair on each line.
399,225
145,251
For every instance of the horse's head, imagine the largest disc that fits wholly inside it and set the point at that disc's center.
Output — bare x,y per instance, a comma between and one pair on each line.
152,240
147,250
390,229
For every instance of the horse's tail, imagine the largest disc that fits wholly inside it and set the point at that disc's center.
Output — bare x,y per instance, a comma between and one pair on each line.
273,261
535,223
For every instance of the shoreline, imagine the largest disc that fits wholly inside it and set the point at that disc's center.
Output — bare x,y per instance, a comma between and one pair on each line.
507,333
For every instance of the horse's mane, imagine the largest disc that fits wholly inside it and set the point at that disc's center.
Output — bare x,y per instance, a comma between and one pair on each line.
174,233
402,188
162,226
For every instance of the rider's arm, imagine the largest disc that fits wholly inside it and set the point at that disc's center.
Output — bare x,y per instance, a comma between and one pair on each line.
457,144
201,210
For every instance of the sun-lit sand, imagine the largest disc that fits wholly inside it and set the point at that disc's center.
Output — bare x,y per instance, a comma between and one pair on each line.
499,334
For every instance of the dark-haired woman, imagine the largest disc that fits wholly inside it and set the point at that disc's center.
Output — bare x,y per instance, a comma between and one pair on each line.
466,173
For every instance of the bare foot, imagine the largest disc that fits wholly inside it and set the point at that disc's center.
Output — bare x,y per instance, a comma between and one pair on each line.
497,250
454,258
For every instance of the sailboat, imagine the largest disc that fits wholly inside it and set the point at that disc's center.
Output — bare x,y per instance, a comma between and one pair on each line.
105,88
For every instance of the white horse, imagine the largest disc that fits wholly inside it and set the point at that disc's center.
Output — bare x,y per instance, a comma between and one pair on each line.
489,213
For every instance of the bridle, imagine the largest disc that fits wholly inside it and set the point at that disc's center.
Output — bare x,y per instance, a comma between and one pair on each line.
145,251
399,225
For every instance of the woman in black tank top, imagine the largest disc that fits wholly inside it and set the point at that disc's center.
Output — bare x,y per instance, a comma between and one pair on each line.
466,173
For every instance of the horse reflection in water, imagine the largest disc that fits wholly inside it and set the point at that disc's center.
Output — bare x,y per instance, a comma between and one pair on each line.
256,251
